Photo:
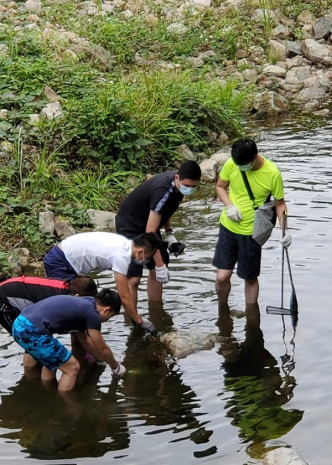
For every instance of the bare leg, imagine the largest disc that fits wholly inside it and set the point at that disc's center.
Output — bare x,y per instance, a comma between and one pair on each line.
133,284
155,289
32,368
70,371
47,376
223,285
251,290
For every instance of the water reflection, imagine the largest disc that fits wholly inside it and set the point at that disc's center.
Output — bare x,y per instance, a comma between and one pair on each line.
259,388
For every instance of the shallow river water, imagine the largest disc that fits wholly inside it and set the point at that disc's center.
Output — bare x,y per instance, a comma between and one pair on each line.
263,384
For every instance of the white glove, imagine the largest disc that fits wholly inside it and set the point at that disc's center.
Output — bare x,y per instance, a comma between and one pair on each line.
162,274
286,239
119,371
233,213
148,326
170,239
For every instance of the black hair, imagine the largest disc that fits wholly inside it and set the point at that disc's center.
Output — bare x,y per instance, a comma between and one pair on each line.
244,151
150,241
83,286
110,299
189,170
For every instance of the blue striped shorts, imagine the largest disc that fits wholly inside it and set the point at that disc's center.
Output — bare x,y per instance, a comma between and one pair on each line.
41,346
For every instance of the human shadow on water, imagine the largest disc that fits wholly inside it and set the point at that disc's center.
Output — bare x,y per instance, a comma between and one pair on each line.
259,388
153,387
93,419
49,425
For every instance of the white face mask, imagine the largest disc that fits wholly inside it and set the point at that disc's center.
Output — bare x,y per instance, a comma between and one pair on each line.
140,262
246,167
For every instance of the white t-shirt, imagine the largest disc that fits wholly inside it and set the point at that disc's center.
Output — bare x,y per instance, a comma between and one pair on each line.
97,251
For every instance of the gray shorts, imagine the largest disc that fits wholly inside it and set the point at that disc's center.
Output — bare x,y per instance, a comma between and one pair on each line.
235,248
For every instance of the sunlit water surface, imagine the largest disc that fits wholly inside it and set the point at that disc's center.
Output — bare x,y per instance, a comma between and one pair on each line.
259,387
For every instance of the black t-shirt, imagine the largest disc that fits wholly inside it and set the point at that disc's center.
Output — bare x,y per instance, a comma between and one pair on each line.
22,291
158,194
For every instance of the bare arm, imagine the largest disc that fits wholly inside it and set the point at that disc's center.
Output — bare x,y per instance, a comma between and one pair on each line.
152,225
94,343
222,192
281,208
127,300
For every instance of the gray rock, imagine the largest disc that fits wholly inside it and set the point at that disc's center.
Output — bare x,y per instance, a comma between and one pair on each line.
273,70
280,32
311,93
283,456
221,157
180,344
209,170
102,220
177,29
185,152
293,49
270,102
277,49
63,229
34,6
46,222
297,75
52,110
322,27
316,52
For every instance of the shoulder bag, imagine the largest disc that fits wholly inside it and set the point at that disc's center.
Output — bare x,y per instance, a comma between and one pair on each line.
265,215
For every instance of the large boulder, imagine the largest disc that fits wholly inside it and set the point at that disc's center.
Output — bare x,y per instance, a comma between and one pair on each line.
283,456
183,343
270,103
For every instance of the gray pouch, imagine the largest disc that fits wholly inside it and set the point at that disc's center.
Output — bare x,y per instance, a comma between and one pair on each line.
264,222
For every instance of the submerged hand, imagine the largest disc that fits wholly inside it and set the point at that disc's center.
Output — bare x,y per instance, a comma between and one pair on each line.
119,371
286,239
233,213
162,274
148,326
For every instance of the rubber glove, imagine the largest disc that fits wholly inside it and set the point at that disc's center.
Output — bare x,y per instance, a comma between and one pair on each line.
233,213
286,239
162,274
170,240
119,371
148,326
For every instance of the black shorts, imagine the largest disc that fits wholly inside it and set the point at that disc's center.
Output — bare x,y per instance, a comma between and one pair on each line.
7,316
136,271
235,248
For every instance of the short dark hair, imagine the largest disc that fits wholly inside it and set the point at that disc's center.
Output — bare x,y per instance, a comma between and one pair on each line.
244,151
150,241
83,286
189,170
110,299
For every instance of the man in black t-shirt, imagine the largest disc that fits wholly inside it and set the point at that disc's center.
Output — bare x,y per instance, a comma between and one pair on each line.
148,208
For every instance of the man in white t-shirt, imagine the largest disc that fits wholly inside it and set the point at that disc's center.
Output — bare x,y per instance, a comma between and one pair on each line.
82,253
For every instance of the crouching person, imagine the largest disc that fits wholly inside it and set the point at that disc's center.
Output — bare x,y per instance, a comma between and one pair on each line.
33,330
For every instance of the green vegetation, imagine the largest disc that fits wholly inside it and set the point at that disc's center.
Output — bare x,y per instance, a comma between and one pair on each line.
130,94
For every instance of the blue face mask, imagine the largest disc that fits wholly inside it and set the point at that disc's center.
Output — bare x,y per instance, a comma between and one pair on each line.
186,190
246,167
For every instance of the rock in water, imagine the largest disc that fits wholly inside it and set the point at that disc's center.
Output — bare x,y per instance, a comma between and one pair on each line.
183,343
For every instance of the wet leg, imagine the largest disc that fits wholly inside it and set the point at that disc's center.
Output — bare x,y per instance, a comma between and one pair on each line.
251,291
223,285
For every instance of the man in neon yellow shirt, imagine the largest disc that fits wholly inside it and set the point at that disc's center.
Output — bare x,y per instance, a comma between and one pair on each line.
235,243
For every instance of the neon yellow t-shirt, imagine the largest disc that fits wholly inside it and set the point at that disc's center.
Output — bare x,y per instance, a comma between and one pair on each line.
263,181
